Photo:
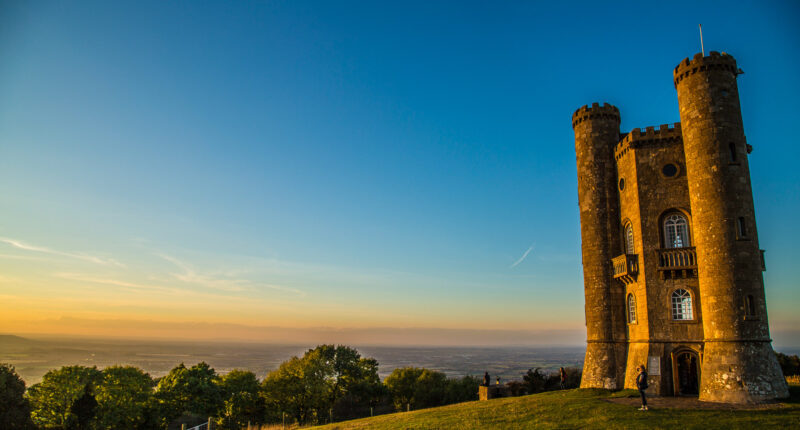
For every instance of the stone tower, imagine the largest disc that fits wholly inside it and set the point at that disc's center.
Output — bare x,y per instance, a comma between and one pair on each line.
596,133
738,363
671,262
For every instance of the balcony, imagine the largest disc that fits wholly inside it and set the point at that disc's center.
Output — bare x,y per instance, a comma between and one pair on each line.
626,267
677,262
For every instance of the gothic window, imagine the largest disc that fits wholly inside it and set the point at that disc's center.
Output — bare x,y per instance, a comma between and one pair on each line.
676,231
629,239
681,305
631,308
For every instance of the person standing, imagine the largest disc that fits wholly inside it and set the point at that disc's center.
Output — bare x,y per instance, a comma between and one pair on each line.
641,384
563,374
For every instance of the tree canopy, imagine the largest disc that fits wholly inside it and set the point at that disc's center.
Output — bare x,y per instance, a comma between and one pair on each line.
53,398
15,412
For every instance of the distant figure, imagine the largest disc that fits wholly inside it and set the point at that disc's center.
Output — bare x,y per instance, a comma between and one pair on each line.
563,374
641,384
486,379
498,381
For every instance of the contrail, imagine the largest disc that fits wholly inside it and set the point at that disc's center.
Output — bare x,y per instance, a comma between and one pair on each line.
90,258
524,256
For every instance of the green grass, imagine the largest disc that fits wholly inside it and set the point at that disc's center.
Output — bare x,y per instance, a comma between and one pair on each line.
578,409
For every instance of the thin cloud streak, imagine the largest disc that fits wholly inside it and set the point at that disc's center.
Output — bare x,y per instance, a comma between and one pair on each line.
524,256
190,276
33,248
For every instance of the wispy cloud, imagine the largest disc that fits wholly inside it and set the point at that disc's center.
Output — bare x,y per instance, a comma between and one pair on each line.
41,249
130,286
191,276
524,256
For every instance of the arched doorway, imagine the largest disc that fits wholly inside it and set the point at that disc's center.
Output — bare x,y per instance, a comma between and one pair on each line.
686,372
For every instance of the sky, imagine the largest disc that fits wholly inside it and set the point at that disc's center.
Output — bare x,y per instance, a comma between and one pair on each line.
340,167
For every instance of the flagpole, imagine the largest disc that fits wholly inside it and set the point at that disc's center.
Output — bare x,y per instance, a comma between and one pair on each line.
702,49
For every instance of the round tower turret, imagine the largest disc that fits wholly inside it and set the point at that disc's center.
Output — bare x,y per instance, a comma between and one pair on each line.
596,132
738,363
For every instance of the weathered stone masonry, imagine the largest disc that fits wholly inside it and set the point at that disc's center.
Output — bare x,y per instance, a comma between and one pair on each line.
691,309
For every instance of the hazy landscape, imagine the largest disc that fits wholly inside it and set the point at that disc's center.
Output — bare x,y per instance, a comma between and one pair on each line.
33,357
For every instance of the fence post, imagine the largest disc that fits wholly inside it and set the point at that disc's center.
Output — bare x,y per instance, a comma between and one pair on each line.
183,426
209,423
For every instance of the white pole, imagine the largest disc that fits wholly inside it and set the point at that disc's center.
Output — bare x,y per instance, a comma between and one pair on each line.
702,49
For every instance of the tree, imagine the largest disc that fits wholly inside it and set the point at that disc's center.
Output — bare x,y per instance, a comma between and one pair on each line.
125,399
193,390
535,381
349,376
83,409
15,412
790,364
412,387
309,388
463,389
297,388
243,403
52,399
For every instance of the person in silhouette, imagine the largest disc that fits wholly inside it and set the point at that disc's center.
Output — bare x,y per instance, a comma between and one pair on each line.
486,379
641,384
563,374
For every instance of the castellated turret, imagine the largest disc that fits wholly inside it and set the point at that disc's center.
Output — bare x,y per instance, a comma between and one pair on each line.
671,262
596,133
738,364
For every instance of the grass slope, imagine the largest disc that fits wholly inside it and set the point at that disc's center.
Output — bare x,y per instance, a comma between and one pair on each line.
578,409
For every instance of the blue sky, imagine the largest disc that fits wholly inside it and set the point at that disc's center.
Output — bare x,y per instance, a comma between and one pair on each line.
347,164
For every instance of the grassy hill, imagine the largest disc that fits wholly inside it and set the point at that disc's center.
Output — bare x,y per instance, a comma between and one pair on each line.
580,409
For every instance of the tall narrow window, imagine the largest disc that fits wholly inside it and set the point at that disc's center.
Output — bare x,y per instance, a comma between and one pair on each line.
742,225
732,148
749,306
629,239
631,308
681,305
676,231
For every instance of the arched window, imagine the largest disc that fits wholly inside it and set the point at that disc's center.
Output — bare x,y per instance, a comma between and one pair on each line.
631,308
629,239
676,231
681,305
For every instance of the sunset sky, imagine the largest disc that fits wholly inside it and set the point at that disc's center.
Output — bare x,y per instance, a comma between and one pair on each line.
335,166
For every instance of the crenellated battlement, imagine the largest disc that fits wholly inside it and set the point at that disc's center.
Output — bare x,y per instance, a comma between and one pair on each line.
699,63
595,111
649,135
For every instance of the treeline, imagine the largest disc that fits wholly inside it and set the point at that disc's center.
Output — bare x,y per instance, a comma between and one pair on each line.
790,364
329,383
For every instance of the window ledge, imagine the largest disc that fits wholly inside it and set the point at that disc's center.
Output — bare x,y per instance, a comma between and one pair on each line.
686,321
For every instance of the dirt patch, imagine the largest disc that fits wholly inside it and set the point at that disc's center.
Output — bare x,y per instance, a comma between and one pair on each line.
688,403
